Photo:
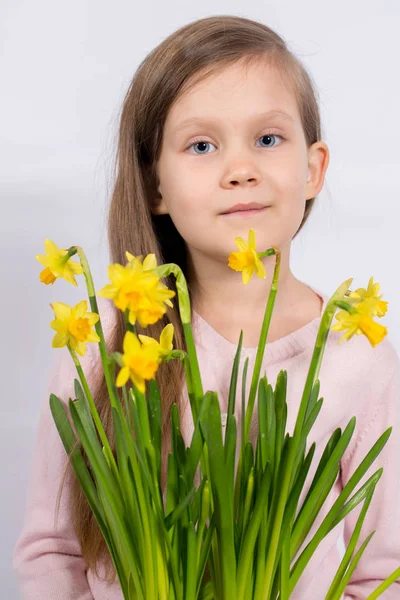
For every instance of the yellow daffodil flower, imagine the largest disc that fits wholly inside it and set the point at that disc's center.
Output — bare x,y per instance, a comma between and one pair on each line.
165,345
57,264
140,362
150,262
153,306
137,288
247,259
127,285
73,326
370,296
360,322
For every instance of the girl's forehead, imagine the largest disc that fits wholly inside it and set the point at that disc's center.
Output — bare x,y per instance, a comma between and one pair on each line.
182,121
232,92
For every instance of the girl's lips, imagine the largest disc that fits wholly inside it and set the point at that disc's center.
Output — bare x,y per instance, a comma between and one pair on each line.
245,213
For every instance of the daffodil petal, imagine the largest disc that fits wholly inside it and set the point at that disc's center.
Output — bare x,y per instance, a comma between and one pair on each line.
51,248
68,276
166,337
146,339
150,262
62,311
92,317
92,337
43,259
129,256
252,239
131,344
260,269
139,382
60,340
78,346
108,291
75,267
122,377
59,325
246,274
241,244
80,309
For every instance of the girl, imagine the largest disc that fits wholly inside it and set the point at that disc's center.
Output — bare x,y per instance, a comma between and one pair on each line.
220,114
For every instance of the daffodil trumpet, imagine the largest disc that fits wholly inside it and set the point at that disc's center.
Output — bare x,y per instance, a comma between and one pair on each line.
238,534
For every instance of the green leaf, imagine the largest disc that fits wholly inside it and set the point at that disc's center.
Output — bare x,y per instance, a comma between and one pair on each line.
291,506
205,551
172,484
246,556
193,453
108,490
88,437
352,566
230,455
280,419
139,400
307,514
191,565
325,526
174,515
155,419
130,497
312,400
233,386
223,504
336,587
69,440
178,444
263,421
285,568
393,577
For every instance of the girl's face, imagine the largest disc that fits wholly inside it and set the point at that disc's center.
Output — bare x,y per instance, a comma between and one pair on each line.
236,138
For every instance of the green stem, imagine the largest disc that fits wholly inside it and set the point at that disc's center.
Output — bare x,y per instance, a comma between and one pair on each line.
95,414
107,364
194,381
128,324
263,338
247,418
313,373
185,314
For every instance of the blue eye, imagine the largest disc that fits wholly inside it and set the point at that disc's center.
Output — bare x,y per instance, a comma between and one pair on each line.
200,142
270,136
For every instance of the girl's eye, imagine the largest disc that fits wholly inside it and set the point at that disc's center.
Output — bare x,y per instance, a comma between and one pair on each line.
266,140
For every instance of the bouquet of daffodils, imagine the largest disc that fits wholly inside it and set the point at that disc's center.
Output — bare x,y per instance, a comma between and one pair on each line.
226,529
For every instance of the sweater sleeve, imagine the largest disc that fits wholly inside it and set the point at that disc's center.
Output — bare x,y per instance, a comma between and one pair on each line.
47,556
381,557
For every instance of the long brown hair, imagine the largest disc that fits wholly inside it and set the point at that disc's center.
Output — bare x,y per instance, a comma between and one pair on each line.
186,57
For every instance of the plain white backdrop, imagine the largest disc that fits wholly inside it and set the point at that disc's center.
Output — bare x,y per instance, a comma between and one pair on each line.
64,69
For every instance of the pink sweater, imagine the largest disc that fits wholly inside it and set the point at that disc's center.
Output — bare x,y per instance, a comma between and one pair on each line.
356,380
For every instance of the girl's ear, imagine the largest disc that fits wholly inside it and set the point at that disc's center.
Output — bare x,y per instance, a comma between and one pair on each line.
158,206
318,160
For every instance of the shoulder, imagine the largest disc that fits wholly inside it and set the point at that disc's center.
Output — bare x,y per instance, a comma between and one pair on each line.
358,359
361,377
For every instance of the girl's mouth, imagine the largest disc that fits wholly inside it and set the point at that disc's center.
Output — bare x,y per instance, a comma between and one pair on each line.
245,213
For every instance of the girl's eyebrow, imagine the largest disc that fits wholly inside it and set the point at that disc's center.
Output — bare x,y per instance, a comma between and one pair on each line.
272,114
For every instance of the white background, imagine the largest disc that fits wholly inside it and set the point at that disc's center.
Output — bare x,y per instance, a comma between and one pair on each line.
64,68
